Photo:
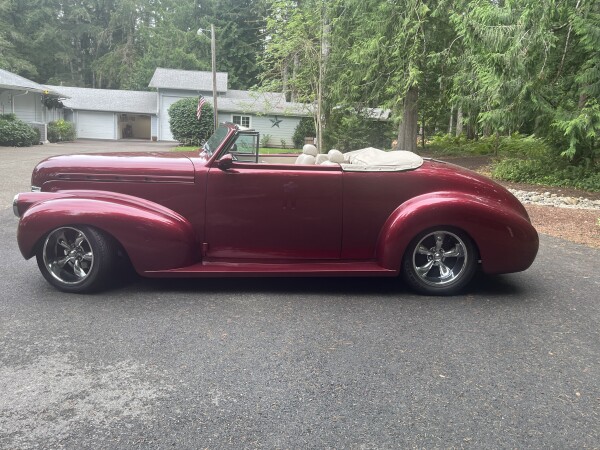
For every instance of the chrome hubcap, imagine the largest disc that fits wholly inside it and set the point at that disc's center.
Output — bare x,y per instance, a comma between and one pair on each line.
68,256
439,258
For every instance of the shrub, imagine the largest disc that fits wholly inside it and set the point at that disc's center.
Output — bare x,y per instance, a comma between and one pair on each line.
16,133
513,146
185,126
61,130
549,171
306,128
264,140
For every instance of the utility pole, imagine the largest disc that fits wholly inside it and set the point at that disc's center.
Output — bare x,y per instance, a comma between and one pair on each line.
213,52
213,57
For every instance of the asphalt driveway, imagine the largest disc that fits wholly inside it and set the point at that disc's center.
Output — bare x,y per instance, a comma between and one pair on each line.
301,363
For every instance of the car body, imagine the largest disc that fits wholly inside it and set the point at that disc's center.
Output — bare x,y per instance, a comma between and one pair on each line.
224,211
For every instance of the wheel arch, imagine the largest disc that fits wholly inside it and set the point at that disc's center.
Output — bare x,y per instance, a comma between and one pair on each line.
152,238
505,240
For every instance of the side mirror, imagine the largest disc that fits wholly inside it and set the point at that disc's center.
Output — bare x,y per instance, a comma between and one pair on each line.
226,162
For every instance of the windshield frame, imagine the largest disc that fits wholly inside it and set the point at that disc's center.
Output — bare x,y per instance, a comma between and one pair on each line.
218,138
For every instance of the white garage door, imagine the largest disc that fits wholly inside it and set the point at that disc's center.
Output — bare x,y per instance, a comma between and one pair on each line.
95,125
165,129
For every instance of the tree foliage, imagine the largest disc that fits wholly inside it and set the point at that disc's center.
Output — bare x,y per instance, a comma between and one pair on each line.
478,67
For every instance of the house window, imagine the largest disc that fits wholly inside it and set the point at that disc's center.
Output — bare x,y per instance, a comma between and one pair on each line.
244,121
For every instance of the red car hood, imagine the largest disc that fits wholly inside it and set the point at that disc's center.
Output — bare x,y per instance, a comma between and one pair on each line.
120,166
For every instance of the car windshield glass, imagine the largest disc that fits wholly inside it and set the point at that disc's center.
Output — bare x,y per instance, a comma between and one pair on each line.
215,140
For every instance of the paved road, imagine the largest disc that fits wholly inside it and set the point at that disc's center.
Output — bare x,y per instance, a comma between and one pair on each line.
304,363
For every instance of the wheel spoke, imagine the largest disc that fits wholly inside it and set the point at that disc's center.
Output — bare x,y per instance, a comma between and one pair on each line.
445,271
61,262
62,241
439,240
88,256
424,270
78,270
422,250
79,239
456,252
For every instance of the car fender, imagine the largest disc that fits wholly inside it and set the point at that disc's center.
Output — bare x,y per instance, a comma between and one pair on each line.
153,236
505,239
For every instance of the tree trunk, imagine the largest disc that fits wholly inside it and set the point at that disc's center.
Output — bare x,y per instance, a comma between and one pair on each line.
284,81
450,126
459,121
423,130
407,132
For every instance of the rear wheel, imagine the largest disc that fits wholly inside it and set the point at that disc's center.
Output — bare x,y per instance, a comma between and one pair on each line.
77,258
440,261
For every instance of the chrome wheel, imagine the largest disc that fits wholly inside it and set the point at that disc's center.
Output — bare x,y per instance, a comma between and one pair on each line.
440,258
440,261
68,256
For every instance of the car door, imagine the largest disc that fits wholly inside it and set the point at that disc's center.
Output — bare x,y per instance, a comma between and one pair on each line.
264,211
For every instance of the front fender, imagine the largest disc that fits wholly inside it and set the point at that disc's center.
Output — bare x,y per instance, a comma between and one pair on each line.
154,237
506,240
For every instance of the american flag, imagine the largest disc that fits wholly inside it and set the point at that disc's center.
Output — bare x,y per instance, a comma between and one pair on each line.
201,101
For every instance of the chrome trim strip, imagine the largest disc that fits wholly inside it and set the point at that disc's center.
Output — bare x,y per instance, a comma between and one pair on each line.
15,205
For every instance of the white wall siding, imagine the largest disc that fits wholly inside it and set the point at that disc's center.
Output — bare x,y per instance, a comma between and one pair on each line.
28,107
264,125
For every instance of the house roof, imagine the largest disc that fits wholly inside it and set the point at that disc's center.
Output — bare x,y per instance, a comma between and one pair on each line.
9,80
187,80
108,100
262,103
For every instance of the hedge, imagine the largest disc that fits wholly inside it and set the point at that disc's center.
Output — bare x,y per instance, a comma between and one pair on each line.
16,133
185,126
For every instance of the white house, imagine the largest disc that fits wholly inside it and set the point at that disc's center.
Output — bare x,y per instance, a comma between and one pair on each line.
109,113
121,114
266,112
23,98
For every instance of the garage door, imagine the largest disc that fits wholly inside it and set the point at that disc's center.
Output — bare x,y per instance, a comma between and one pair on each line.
95,125
165,129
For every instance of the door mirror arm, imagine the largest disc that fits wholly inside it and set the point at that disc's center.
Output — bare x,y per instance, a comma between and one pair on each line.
226,162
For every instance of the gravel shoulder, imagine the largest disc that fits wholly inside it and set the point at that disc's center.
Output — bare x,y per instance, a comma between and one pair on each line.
556,211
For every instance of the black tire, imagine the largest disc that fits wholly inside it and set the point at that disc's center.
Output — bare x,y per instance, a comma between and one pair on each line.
77,258
439,261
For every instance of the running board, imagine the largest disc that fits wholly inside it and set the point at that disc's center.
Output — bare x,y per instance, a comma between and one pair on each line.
300,269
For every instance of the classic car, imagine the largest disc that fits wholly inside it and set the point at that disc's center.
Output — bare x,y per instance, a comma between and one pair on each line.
228,211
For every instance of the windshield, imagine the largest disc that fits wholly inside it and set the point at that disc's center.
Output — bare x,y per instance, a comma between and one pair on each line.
215,140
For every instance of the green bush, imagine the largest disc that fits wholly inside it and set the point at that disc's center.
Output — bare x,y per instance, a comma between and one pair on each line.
306,128
185,127
61,130
513,146
264,140
549,171
16,133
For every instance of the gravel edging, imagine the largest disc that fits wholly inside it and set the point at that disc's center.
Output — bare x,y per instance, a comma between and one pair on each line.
550,199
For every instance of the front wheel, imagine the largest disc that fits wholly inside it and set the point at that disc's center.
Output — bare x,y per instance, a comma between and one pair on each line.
76,258
440,261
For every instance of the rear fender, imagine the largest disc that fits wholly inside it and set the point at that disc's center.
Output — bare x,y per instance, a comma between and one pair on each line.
154,237
505,239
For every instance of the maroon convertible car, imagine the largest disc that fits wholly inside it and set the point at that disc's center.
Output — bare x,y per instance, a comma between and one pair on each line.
228,211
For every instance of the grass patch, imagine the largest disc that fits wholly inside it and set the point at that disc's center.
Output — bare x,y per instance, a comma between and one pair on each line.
185,148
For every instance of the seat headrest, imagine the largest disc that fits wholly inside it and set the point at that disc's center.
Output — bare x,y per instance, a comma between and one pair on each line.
310,149
336,156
